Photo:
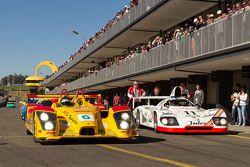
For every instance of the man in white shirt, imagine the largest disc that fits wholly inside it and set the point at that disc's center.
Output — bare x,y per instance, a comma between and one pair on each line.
199,96
184,91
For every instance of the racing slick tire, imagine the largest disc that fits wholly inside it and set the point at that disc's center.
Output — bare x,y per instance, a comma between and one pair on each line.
34,133
28,132
155,123
137,120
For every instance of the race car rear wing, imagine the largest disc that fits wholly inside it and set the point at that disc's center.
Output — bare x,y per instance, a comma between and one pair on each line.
148,99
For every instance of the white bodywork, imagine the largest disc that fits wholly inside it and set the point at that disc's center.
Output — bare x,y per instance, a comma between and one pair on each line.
179,108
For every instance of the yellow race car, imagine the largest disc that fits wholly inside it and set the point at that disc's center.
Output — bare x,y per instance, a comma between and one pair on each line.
75,117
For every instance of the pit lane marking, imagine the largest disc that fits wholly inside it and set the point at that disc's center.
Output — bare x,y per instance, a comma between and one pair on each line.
241,137
163,160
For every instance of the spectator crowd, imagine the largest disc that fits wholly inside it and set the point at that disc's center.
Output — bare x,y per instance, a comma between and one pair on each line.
177,33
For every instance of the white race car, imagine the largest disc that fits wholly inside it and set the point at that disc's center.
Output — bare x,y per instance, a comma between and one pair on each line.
176,114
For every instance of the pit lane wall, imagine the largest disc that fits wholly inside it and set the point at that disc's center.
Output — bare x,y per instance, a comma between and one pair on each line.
226,35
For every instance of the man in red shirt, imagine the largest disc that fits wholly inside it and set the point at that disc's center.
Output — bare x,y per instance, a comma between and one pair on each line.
135,91
116,100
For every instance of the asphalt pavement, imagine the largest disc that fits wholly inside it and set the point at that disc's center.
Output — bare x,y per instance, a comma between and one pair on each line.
148,150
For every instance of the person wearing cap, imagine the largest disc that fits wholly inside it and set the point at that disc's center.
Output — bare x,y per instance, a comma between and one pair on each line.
219,15
210,18
135,91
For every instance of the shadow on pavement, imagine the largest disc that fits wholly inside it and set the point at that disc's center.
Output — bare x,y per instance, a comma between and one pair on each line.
88,141
234,132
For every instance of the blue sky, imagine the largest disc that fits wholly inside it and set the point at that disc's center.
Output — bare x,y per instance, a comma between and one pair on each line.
32,31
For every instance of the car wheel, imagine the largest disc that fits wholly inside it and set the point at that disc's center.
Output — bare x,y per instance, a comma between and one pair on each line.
34,132
155,123
137,120
28,132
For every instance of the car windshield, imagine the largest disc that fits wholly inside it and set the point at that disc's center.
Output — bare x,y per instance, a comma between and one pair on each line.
179,102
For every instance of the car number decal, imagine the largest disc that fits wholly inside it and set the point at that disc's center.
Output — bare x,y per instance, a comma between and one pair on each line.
86,117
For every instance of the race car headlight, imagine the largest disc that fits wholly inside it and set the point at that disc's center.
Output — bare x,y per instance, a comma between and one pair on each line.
164,121
44,117
223,121
124,125
47,120
218,121
123,120
169,121
48,126
125,116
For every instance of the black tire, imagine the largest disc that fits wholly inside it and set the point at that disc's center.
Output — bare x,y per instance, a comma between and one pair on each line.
155,123
28,132
34,132
137,120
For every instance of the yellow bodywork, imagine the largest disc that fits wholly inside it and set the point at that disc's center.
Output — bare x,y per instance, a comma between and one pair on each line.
79,120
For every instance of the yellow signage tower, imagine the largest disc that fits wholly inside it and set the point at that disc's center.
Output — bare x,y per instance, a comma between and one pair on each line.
34,81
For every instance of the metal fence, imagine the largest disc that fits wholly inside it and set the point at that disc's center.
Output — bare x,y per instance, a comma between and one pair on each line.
223,34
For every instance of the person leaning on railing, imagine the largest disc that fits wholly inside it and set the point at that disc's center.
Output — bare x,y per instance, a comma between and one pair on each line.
133,92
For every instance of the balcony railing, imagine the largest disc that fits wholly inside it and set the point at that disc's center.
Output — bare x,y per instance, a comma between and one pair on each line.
135,13
221,35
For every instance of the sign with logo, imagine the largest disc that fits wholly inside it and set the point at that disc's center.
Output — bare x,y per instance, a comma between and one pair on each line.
86,117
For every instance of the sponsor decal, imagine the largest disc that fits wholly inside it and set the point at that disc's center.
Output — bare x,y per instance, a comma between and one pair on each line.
191,114
85,117
217,114
198,122
167,113
66,113
72,119
209,115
